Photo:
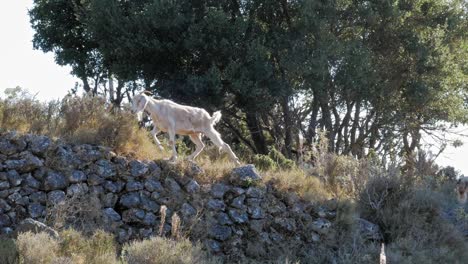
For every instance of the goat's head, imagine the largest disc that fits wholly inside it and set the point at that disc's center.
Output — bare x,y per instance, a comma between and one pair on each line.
139,103
462,189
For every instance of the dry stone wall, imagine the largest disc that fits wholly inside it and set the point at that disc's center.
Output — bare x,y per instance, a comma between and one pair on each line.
236,217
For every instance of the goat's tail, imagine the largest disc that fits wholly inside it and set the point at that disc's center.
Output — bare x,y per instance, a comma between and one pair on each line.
215,117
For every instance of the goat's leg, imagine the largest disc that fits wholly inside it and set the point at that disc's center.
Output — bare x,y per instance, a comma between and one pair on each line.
216,138
155,132
172,135
197,140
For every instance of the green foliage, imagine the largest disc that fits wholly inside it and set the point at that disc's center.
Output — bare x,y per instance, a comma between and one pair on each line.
264,162
8,251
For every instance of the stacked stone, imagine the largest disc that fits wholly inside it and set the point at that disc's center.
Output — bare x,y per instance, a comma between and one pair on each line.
240,216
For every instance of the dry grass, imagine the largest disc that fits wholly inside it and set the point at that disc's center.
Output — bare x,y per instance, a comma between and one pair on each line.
37,248
158,250
98,248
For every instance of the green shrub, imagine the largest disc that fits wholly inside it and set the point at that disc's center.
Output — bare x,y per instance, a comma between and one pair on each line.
263,162
98,248
8,251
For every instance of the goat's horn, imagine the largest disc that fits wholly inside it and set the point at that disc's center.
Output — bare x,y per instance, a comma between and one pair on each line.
148,92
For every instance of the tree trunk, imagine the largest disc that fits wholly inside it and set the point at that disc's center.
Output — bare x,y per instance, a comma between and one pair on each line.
287,126
256,132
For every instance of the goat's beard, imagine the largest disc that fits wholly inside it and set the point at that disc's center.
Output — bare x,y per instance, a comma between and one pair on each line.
140,116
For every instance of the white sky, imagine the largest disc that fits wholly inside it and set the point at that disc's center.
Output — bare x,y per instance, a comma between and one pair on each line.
20,65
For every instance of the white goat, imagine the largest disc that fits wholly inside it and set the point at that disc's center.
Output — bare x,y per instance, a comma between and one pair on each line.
179,119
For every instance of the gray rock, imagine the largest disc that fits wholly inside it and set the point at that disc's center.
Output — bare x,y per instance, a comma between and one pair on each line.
369,231
245,176
77,176
187,211
155,196
155,170
88,153
148,204
111,187
55,181
312,237
36,210
40,174
213,246
286,224
172,185
6,231
237,191
257,226
145,232
132,186
4,194
6,147
39,144
56,197
5,220
4,206
4,185
15,164
109,200
16,198
253,192
321,226
95,179
3,175
216,205
14,178
223,219
97,190
138,168
31,225
218,190
111,214
105,169
30,181
38,197
153,185
130,200
133,215
192,187
238,202
77,189
26,163
238,216
219,232
256,212
150,219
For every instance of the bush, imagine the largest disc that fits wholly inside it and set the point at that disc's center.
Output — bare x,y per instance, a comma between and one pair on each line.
165,251
37,248
263,162
410,217
99,248
8,251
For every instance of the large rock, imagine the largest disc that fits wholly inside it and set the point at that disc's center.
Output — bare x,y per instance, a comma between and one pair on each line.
31,225
130,200
111,214
38,144
56,197
219,232
77,176
105,169
218,190
36,210
192,187
245,176
55,181
216,205
138,168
